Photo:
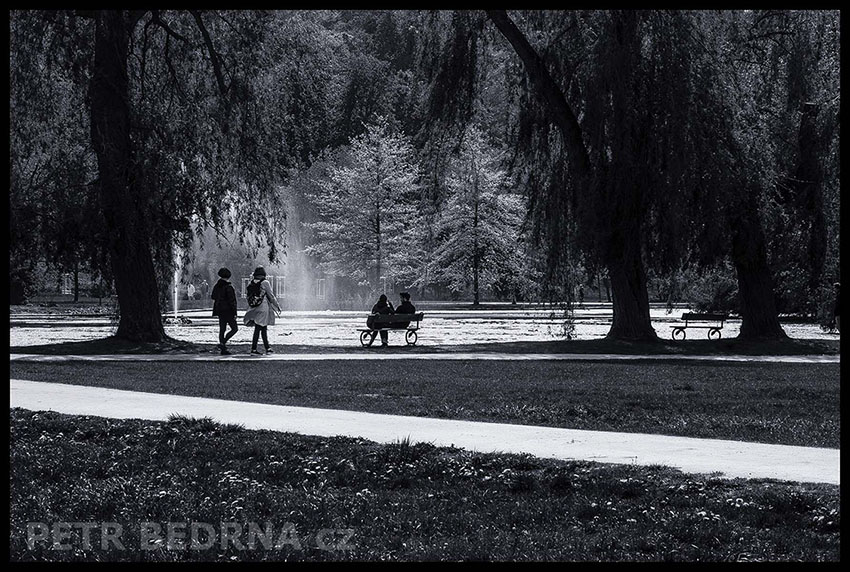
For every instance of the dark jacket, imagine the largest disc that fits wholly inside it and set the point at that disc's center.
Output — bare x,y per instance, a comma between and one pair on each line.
379,308
225,299
404,308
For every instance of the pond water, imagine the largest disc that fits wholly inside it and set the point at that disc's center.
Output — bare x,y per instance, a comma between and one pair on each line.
339,328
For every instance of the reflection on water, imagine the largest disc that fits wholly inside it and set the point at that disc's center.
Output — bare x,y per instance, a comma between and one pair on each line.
339,328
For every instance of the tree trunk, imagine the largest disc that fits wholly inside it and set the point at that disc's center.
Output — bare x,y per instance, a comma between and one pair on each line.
475,280
76,281
628,284
378,268
759,318
475,258
129,248
809,184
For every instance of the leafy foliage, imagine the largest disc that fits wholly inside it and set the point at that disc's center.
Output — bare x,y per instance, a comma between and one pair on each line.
365,206
478,229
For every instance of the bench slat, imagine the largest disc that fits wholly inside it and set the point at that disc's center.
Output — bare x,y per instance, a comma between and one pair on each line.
407,329
386,318
692,316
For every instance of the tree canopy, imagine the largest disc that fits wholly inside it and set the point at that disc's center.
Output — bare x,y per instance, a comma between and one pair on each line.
462,151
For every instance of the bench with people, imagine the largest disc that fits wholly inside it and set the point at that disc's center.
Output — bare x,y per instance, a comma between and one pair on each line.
384,317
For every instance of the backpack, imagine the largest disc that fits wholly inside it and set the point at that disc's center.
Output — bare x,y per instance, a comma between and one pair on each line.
255,294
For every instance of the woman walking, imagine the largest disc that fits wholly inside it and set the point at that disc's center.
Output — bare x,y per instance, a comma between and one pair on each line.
225,308
262,306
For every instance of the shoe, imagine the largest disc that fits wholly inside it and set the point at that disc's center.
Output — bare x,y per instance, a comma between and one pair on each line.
269,351
225,352
255,352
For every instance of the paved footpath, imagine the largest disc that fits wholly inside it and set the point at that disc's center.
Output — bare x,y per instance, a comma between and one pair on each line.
730,458
396,355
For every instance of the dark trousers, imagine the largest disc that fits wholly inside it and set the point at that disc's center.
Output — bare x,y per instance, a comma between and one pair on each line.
384,337
257,331
223,322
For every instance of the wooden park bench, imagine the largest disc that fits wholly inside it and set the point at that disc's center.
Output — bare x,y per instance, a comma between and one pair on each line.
689,317
384,322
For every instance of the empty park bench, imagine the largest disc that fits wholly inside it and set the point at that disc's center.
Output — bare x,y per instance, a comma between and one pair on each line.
384,322
690,317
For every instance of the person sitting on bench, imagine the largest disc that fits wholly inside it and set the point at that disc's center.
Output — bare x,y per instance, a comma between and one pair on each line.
381,307
404,308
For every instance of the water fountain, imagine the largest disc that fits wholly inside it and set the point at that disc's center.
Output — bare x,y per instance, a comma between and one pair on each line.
176,284
177,320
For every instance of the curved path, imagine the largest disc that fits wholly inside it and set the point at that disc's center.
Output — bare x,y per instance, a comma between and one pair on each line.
729,458
378,354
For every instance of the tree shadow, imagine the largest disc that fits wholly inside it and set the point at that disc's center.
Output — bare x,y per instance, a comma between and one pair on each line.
112,345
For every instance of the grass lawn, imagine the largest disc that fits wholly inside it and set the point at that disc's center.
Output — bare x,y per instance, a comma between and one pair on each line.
795,404
384,502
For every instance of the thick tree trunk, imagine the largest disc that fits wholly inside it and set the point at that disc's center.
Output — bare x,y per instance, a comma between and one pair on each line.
759,318
631,306
628,284
129,248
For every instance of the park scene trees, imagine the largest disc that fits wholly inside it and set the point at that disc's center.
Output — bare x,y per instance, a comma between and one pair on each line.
588,208
629,142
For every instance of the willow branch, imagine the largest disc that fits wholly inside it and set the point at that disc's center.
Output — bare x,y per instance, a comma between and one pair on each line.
216,63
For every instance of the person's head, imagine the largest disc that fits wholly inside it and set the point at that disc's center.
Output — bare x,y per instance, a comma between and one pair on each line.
382,298
259,273
224,272
405,297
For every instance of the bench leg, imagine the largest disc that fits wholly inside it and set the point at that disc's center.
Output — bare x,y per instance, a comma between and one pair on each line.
366,339
410,337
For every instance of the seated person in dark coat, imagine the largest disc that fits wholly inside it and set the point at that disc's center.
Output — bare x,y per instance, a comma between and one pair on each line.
381,307
404,308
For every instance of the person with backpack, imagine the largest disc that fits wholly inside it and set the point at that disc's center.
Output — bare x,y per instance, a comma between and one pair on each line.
262,308
224,306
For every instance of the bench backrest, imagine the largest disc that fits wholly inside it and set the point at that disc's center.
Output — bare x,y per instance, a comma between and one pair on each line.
695,317
388,318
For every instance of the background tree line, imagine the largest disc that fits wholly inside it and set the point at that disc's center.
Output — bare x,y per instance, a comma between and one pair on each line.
515,154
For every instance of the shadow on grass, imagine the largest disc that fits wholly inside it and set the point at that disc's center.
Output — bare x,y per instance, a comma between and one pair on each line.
732,346
112,345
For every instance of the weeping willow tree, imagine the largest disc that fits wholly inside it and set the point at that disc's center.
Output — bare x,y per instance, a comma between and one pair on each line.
185,129
650,134
609,201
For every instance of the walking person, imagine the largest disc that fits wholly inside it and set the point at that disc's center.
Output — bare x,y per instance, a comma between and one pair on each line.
262,308
382,306
224,306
